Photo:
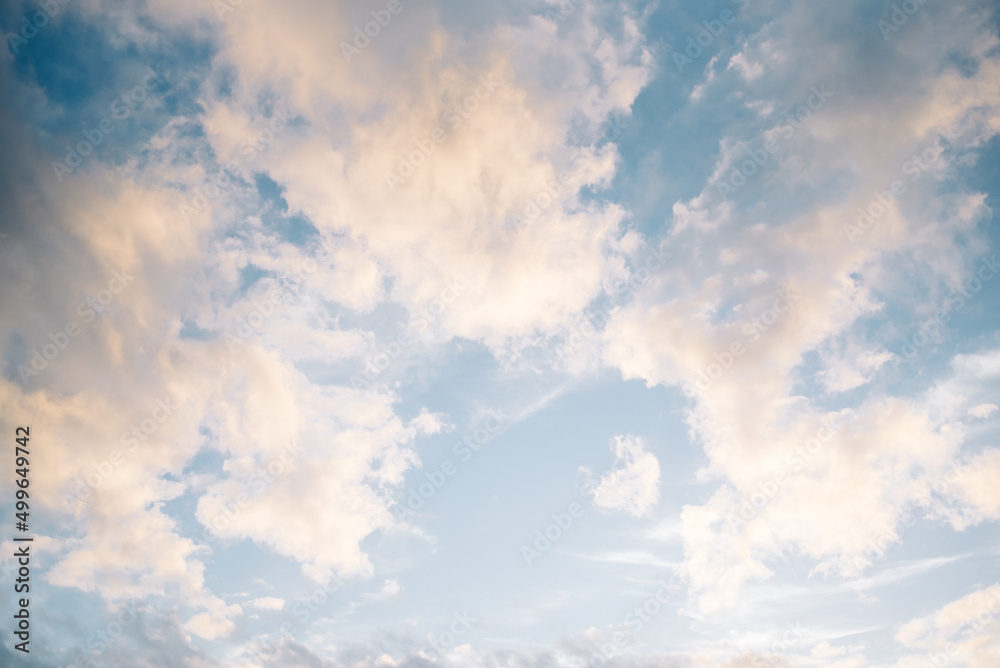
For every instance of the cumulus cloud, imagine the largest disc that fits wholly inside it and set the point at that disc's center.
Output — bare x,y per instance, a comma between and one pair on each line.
744,357
284,210
966,627
633,484
388,589
309,468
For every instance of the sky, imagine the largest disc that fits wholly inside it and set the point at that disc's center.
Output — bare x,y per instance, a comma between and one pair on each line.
525,334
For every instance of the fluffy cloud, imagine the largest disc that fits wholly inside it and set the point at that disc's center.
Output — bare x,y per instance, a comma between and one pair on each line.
468,166
965,628
983,411
198,323
741,348
633,484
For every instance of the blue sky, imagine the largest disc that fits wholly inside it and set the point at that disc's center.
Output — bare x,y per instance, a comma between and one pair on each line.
524,334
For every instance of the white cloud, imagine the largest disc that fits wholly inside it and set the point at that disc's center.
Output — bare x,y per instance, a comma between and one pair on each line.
216,622
825,650
446,224
267,603
983,411
452,220
747,69
633,486
846,374
965,628
747,407
971,491
389,589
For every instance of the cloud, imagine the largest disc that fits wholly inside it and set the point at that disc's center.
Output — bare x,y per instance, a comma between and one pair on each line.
389,589
185,217
498,161
842,375
458,181
983,411
745,357
215,623
971,491
966,627
633,485
267,603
